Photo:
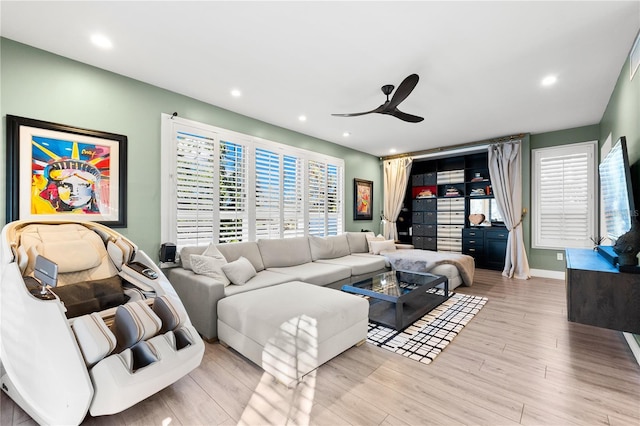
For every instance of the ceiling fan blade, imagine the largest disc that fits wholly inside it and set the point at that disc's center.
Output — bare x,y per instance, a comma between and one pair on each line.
355,114
405,88
407,117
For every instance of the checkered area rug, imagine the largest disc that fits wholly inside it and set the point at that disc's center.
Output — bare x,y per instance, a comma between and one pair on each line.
427,337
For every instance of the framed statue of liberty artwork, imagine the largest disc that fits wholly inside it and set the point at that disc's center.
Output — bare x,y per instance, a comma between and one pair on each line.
60,172
362,199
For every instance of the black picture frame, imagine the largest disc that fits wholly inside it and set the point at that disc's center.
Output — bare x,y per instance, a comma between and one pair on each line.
61,172
362,199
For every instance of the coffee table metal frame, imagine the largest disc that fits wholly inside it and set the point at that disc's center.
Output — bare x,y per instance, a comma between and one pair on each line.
398,298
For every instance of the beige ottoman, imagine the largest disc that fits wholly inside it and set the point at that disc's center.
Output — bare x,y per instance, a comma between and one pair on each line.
291,329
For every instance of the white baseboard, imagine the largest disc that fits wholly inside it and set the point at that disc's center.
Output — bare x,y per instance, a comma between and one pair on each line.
542,273
633,345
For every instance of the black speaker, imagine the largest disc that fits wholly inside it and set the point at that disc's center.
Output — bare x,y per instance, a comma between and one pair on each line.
167,252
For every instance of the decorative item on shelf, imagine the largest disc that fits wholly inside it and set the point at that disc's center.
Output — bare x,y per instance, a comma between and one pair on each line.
476,218
488,190
628,245
477,178
597,240
452,191
425,193
477,192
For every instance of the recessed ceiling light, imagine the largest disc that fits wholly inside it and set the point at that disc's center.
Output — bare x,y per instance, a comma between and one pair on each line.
392,151
236,93
101,41
302,118
346,134
549,80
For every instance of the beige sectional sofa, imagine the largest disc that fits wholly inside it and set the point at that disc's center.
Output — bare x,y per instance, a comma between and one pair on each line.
326,261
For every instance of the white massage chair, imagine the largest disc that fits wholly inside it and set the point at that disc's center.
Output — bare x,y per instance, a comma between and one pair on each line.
111,333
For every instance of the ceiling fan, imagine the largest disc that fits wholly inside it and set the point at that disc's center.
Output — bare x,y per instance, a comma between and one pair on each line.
390,107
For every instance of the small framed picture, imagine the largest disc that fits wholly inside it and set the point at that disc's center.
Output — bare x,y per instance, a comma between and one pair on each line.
362,199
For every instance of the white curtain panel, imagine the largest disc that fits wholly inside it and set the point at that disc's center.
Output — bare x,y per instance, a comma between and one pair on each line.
396,178
505,170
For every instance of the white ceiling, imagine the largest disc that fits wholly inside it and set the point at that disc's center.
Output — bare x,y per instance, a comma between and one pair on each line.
480,63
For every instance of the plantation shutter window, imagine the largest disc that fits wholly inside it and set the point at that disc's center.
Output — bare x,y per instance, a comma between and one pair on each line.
334,195
220,186
268,201
234,221
293,196
564,196
196,191
317,187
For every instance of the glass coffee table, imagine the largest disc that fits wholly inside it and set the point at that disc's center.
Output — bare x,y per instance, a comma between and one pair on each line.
398,298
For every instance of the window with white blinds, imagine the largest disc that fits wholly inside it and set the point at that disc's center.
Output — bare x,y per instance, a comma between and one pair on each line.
195,187
564,196
222,186
293,196
268,194
233,212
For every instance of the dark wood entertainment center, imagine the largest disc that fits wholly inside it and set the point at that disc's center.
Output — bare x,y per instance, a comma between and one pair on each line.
440,222
599,294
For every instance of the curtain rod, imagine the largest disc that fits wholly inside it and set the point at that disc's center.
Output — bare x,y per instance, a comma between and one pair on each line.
444,149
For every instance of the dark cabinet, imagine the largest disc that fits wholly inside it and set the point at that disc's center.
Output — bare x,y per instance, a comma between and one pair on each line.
495,242
487,245
599,294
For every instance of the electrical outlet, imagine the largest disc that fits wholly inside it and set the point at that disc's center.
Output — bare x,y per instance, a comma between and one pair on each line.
559,256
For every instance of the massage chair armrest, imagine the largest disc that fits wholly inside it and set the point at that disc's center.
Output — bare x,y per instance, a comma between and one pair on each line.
200,295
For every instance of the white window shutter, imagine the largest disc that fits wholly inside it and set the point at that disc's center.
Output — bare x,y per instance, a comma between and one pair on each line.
267,166
195,188
293,196
234,221
222,186
564,192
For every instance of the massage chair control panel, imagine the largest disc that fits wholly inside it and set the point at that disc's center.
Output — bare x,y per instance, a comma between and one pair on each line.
143,269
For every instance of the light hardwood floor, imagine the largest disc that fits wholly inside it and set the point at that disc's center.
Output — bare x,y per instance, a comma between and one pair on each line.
519,361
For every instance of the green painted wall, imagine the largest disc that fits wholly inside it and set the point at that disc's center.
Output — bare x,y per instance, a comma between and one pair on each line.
43,86
622,118
541,258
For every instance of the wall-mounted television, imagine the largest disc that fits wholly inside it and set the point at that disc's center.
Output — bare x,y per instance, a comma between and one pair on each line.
616,190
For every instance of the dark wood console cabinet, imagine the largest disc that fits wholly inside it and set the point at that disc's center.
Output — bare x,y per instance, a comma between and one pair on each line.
600,295
487,245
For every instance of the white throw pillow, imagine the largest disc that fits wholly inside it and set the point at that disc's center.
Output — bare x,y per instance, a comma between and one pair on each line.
239,271
185,255
371,238
379,246
212,251
209,266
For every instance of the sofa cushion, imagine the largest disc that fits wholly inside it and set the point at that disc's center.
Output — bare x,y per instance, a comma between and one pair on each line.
378,247
246,249
359,264
283,252
262,279
185,255
315,272
371,238
376,256
328,247
239,271
209,266
358,241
